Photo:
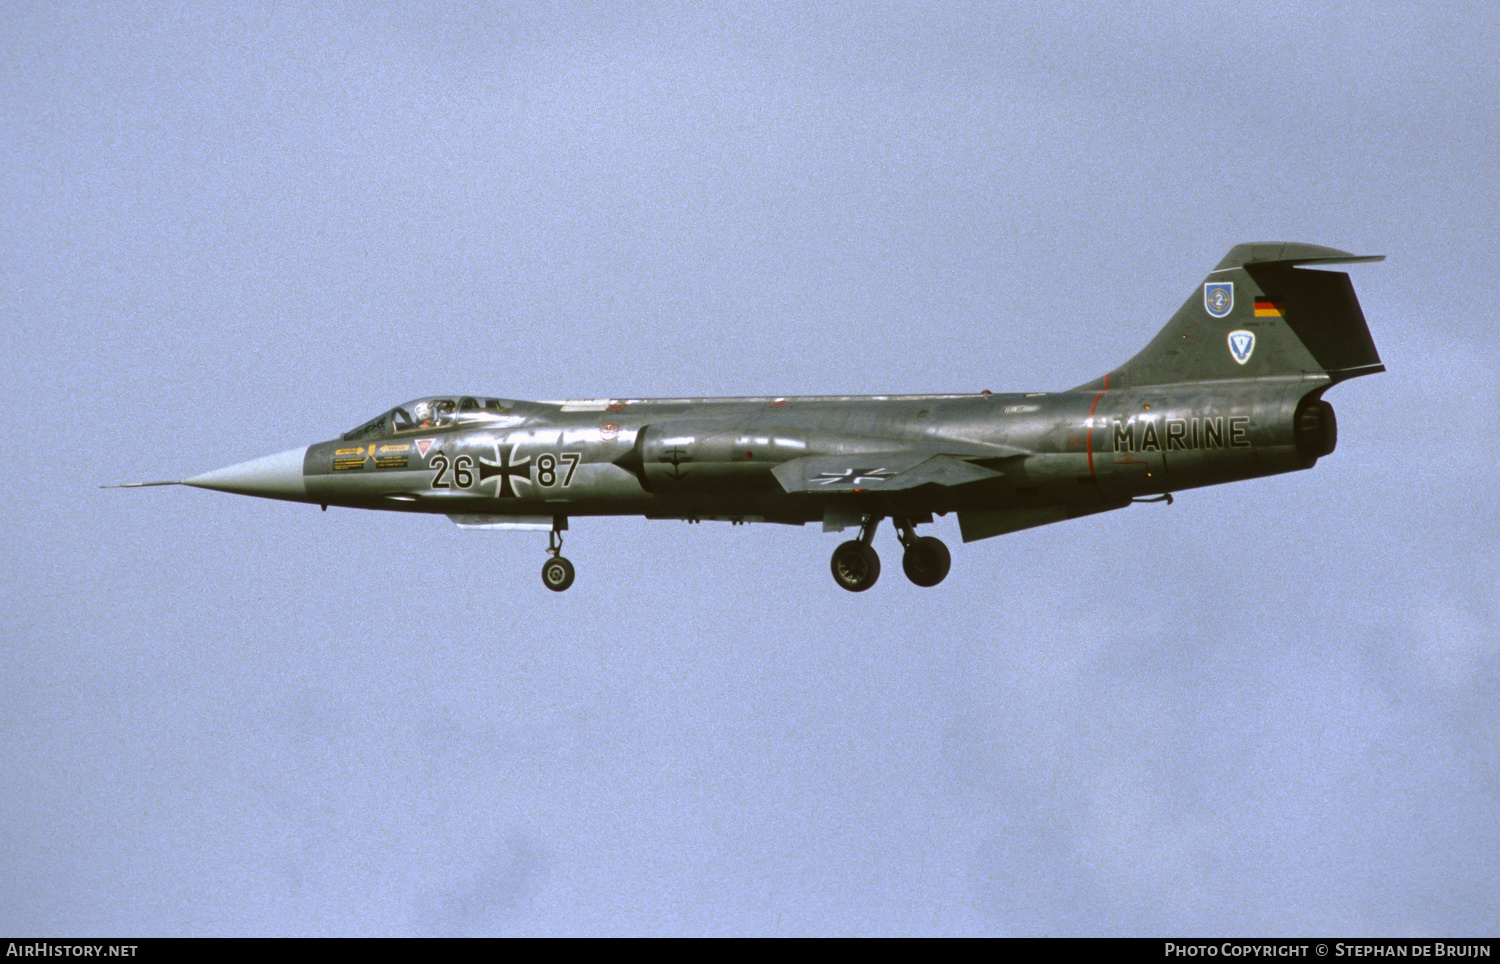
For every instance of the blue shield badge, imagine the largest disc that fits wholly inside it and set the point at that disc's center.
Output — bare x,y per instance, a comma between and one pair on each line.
1241,344
1218,298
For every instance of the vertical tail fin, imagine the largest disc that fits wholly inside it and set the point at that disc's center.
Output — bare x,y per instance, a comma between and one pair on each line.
1257,315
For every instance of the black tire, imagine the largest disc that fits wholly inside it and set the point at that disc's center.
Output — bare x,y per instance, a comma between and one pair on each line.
927,561
855,566
557,574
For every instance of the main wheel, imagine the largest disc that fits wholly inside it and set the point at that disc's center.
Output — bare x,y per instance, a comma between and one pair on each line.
855,566
557,574
926,561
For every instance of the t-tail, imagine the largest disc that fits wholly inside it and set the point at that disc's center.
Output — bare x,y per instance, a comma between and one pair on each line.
1258,315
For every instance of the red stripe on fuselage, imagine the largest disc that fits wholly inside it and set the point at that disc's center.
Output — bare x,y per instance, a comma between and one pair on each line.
1089,444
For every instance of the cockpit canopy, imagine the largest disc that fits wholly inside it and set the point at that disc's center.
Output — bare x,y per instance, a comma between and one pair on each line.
438,412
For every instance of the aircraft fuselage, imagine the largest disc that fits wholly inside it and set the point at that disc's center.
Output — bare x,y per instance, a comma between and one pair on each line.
1231,388
714,458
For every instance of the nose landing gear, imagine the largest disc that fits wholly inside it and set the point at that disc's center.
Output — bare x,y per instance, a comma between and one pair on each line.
856,565
557,573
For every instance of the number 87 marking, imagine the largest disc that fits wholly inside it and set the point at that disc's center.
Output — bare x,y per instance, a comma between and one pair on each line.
546,468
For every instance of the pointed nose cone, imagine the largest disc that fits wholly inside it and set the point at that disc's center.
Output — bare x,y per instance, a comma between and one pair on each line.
276,476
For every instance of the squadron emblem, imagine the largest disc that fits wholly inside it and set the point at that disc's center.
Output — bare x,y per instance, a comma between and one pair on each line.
1218,298
1241,344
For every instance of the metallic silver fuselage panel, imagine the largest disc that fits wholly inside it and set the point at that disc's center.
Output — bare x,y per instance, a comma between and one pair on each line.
713,458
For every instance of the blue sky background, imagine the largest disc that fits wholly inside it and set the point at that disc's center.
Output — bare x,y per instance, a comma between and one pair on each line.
228,231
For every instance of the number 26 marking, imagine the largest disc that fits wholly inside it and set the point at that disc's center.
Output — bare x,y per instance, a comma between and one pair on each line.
462,477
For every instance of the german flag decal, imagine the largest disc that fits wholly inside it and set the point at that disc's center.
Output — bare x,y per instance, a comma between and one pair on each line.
1266,308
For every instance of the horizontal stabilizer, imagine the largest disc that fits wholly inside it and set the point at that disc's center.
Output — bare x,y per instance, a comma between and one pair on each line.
876,472
1289,253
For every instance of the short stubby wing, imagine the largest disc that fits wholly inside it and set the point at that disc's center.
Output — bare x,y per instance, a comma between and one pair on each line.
877,472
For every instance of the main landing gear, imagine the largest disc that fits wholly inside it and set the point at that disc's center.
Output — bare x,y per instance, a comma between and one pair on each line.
856,566
557,573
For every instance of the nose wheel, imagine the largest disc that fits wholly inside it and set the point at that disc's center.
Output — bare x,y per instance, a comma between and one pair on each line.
557,572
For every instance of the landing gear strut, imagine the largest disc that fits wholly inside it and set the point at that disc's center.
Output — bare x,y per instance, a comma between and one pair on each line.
926,560
856,566
557,573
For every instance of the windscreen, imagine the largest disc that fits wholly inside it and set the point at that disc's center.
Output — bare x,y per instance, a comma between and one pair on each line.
436,413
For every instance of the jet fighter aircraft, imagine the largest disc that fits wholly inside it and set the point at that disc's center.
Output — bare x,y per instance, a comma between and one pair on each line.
1232,388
